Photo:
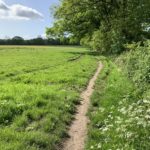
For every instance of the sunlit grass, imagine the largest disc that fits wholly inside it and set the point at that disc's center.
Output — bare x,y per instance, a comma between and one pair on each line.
39,89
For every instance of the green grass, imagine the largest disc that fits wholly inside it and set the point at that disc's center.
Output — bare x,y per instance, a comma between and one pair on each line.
39,89
119,115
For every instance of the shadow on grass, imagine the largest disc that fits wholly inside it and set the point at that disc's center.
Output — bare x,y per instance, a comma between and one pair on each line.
94,53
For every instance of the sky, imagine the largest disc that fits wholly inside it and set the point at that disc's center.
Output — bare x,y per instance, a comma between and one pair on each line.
25,18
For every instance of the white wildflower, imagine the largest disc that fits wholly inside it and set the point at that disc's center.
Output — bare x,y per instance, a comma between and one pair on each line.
129,134
123,110
101,109
105,129
92,147
99,145
146,101
147,116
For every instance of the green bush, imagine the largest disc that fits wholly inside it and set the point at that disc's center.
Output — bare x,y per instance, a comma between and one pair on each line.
105,40
136,64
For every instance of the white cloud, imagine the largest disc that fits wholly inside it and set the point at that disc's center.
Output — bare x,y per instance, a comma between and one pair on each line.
18,11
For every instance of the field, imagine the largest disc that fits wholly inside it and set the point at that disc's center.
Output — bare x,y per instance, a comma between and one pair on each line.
39,89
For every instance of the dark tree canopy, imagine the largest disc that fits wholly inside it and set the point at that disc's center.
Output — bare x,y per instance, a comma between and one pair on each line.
104,25
36,41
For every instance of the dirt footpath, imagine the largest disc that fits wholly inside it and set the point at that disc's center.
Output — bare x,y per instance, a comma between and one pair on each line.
78,129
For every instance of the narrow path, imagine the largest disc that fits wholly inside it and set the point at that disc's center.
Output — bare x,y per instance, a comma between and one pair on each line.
78,129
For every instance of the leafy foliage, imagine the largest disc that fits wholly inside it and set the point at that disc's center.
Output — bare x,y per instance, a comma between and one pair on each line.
136,62
103,25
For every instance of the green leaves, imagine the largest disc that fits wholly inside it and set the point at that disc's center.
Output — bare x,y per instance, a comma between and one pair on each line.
103,25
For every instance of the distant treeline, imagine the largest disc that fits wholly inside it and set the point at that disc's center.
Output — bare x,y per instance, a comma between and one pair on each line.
37,41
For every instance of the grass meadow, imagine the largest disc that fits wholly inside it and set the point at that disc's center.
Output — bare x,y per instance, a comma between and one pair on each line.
39,89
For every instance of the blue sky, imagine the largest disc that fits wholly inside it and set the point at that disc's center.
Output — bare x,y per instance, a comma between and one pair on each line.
26,18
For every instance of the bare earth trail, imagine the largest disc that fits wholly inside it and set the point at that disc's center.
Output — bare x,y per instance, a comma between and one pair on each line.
78,129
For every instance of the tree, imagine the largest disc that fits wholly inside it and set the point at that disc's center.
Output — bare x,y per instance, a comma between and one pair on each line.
17,40
104,25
